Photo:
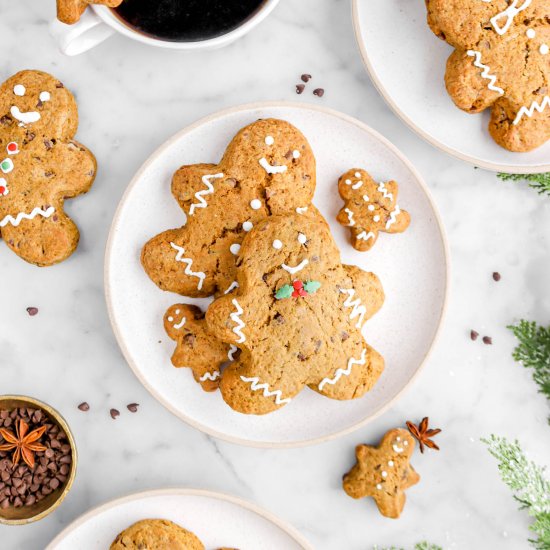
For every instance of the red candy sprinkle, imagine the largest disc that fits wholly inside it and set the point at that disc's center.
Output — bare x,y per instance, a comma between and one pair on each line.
12,147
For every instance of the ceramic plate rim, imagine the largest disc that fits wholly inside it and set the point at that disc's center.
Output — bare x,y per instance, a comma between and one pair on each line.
114,228
488,165
172,491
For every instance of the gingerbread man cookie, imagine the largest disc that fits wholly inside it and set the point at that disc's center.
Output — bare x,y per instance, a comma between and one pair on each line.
297,316
267,169
502,62
384,472
69,11
196,347
370,207
42,166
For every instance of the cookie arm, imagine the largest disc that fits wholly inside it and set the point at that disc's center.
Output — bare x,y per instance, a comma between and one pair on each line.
192,184
368,288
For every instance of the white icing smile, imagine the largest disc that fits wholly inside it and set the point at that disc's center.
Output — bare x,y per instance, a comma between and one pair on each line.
272,169
25,118
296,269
397,449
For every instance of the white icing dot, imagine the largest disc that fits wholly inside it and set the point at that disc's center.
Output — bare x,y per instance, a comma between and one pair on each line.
366,198
376,218
371,207
405,443
44,96
19,90
255,204
171,319
544,49
348,182
269,140
277,244
531,33
234,248
390,463
384,475
302,239
296,154
247,226
398,439
357,174
177,311
379,486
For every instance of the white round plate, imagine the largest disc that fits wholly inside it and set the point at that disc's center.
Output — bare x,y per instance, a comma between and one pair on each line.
412,267
218,520
406,62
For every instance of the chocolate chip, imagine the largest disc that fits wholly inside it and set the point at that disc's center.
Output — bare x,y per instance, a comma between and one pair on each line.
487,340
114,413
344,336
319,92
474,335
48,144
301,357
5,120
189,340
300,88
496,276
59,85
32,311
306,77
133,407
279,319
84,407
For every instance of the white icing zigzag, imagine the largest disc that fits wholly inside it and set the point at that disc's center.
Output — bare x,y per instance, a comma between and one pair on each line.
236,318
255,386
382,189
208,376
232,286
366,236
393,216
485,74
509,13
232,350
535,106
351,221
358,310
188,262
201,194
341,372
22,216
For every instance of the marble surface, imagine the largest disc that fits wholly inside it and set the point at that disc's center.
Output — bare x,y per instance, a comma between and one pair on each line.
131,99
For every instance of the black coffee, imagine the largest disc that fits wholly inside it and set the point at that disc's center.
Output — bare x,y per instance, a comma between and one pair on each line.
186,20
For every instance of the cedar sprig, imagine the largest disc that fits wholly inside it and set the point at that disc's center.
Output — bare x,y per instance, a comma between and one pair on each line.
533,352
528,483
539,182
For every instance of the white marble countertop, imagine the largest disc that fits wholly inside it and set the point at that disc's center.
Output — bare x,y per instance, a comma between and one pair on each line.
131,99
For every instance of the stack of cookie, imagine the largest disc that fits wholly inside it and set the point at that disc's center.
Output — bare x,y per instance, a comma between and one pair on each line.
286,312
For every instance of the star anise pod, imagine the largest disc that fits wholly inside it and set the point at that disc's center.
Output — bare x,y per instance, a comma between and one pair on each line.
423,434
23,441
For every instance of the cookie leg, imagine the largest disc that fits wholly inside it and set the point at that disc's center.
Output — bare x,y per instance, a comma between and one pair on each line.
69,11
43,241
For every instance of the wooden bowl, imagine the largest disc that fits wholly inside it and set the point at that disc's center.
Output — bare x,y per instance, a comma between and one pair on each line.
35,512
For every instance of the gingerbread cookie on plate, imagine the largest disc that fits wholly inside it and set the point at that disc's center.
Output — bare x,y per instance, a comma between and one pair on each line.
42,166
69,11
501,62
267,169
370,207
297,316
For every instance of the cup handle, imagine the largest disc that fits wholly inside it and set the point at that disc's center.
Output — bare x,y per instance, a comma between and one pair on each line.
75,39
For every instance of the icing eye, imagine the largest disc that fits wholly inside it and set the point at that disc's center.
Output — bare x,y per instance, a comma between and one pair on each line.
269,140
296,154
170,319
357,174
19,90
302,239
234,248
44,96
277,244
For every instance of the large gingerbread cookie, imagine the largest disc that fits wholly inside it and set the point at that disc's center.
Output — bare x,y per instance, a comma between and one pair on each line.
267,169
297,317
501,62
69,11
42,166
384,472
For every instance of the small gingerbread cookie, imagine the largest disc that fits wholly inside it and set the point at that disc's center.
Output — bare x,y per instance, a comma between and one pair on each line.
370,207
156,534
267,169
501,62
297,316
196,347
42,166
69,11
384,472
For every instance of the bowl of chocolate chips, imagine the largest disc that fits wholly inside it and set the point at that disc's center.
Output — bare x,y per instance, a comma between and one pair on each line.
37,459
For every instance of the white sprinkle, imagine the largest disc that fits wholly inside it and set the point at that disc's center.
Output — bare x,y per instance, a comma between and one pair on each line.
302,239
277,244
234,248
247,226
371,207
376,218
44,96
19,90
544,49
296,154
531,33
255,204
269,140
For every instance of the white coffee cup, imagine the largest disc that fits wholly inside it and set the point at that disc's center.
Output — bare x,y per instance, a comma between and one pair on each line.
99,23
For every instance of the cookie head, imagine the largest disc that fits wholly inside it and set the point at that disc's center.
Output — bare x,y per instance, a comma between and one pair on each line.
39,103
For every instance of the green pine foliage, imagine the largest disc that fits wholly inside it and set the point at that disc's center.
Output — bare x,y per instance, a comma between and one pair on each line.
419,546
528,483
539,182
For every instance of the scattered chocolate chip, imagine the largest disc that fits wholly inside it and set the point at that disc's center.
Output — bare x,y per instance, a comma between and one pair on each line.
114,413
487,340
496,276
300,88
279,319
474,335
301,357
84,407
32,311
344,336
306,77
319,92
133,407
